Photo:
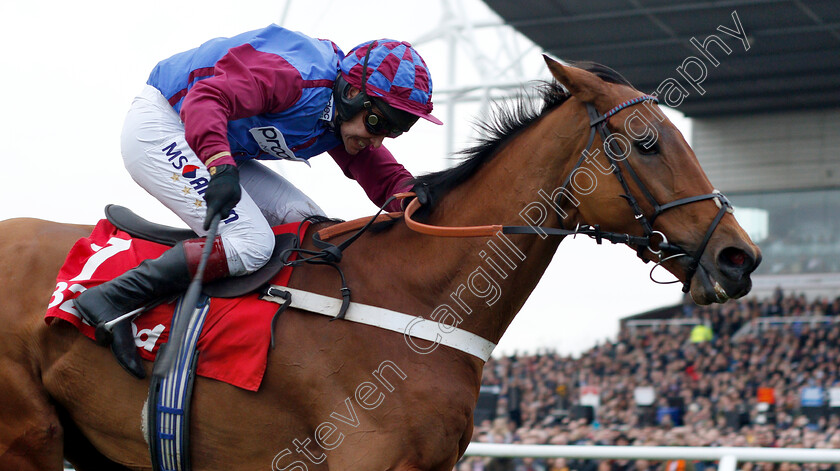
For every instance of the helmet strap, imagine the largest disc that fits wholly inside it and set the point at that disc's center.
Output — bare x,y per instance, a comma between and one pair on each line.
346,107
364,69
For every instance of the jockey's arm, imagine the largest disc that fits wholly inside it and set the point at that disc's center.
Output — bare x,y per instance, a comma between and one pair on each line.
377,172
246,83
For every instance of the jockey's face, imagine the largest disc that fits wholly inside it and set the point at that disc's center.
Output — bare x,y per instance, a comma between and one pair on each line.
355,135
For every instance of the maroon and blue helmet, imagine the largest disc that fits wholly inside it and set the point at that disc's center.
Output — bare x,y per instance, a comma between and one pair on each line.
391,75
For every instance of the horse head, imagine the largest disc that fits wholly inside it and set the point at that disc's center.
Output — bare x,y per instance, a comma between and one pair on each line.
635,153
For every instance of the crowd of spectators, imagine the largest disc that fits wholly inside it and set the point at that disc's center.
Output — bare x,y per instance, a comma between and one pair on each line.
705,392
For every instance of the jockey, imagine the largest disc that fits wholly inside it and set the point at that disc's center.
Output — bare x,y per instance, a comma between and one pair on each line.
193,136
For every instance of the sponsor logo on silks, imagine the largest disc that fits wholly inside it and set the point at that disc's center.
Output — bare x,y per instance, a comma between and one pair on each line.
189,171
233,217
327,115
272,142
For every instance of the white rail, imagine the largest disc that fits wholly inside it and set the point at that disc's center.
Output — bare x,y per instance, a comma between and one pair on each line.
661,322
727,456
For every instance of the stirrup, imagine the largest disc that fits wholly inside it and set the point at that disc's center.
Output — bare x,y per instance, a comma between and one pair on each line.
104,333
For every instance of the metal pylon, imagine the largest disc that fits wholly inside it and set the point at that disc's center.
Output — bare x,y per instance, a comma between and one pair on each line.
485,60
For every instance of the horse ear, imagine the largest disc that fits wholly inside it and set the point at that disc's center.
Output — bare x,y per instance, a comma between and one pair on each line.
578,82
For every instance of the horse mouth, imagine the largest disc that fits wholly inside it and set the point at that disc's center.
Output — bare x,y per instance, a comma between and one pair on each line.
709,286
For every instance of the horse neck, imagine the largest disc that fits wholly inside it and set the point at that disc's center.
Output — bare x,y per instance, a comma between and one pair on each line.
485,282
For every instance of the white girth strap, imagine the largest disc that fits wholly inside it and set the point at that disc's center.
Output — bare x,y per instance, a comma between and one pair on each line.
415,326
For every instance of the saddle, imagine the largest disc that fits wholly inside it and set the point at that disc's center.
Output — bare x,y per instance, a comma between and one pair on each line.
136,226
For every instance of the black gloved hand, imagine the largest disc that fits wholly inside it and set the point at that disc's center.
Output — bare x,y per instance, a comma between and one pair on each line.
223,192
424,195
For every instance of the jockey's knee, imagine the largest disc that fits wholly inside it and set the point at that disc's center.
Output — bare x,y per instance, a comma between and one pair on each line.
247,253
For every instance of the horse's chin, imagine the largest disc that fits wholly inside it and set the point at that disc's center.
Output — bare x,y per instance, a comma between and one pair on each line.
707,289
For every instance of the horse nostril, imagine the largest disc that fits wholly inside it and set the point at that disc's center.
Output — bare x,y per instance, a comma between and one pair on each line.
735,263
737,258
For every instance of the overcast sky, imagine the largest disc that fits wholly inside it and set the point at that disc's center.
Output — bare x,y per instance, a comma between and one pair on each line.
71,69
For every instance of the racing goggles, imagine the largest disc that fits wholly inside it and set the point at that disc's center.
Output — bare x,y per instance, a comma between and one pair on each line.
389,122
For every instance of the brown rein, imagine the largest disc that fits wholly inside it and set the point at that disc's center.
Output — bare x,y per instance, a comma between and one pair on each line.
476,231
439,231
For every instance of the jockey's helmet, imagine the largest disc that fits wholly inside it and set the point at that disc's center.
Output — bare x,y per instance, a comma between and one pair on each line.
390,75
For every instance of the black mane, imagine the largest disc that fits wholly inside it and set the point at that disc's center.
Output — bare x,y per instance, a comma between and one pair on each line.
505,123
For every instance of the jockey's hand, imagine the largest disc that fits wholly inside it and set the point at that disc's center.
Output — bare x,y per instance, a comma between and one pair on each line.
223,192
424,196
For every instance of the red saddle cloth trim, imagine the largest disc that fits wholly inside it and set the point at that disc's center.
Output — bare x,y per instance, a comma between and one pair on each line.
236,334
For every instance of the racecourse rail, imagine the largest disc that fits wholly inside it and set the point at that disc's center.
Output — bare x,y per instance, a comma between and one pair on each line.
727,456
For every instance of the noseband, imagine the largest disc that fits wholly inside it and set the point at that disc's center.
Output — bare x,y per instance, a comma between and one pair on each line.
598,123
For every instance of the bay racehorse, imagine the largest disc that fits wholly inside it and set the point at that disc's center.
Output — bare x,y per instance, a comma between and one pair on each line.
339,395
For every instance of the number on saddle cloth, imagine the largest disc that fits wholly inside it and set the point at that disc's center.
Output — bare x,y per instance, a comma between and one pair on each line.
126,220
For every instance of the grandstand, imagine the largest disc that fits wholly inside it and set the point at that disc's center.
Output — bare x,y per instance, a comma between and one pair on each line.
662,384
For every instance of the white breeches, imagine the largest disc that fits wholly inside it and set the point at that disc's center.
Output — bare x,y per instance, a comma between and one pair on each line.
158,158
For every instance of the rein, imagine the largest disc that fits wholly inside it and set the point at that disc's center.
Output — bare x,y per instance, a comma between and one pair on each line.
488,231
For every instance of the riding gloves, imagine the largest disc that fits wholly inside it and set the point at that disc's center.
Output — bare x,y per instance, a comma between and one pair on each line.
223,192
424,195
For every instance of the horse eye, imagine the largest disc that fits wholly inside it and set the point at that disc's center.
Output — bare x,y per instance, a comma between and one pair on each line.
647,147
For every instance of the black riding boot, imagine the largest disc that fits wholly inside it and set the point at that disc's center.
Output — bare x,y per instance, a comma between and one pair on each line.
151,280
166,275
